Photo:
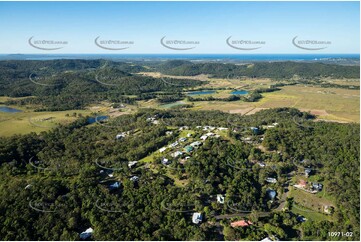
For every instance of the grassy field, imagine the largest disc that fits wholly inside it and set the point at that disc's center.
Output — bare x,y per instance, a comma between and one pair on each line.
28,121
329,104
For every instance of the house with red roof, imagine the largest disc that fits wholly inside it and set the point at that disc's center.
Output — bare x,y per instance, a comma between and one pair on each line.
241,223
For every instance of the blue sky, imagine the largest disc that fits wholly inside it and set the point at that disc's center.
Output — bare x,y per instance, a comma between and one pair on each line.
209,23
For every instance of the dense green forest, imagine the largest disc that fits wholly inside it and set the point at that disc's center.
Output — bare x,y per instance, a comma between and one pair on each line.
73,84
68,191
277,70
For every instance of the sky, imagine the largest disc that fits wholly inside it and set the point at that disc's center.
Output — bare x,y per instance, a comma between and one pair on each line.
206,24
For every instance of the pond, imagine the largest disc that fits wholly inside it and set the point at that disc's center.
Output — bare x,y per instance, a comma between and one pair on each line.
9,110
204,92
92,120
239,92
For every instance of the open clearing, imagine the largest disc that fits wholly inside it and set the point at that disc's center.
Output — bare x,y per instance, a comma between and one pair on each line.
28,121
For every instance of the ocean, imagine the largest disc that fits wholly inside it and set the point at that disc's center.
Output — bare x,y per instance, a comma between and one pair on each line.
192,57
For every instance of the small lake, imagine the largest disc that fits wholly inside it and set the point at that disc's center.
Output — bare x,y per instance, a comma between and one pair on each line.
95,119
239,92
9,110
205,92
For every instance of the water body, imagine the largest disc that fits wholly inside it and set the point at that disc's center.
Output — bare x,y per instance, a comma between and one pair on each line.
92,120
9,110
239,92
204,57
205,92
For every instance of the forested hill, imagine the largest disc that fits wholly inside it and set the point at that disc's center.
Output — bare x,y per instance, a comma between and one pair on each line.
73,84
259,69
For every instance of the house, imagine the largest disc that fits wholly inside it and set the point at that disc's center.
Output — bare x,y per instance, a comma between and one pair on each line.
132,163
187,157
204,137
196,144
266,239
165,161
184,128
328,209
177,153
220,198
86,234
197,218
182,139
188,148
121,135
271,180
308,172
189,135
169,132
174,144
271,194
301,219
301,184
316,186
221,128
28,186
115,185
134,178
255,130
210,134
261,164
161,150
241,223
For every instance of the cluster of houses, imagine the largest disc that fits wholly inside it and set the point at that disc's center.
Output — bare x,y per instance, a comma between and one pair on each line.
153,120
312,187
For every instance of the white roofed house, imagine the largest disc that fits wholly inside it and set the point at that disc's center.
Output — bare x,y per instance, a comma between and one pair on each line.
197,218
204,137
132,163
196,144
86,234
177,153
220,198
121,135
271,180
161,150
134,178
165,161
